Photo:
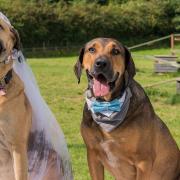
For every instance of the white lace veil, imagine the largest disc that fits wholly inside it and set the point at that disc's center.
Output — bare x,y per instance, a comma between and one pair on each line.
47,149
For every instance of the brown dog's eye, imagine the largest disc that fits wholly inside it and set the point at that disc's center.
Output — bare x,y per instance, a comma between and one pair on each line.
115,51
92,50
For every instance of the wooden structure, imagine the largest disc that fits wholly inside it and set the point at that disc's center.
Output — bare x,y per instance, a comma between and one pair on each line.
169,63
163,64
166,82
174,38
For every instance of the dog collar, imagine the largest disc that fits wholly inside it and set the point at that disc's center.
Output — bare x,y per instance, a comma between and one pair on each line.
4,81
108,118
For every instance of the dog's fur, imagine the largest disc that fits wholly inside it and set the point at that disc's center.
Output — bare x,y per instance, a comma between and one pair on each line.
16,117
141,148
15,113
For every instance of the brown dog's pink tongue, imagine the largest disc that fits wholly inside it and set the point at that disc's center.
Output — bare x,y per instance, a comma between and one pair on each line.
100,89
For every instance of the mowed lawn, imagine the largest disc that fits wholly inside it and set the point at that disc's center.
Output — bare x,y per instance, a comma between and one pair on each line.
65,97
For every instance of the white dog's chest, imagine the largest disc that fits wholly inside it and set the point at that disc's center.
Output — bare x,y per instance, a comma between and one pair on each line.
6,130
5,158
4,139
5,151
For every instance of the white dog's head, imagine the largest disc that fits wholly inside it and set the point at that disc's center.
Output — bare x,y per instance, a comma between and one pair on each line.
9,40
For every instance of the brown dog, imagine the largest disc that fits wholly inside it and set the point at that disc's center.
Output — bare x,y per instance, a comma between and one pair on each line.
133,144
15,111
17,143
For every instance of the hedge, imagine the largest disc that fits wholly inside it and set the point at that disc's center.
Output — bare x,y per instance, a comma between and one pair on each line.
62,24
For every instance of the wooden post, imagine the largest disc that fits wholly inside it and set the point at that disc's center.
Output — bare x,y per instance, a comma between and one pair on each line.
178,86
172,44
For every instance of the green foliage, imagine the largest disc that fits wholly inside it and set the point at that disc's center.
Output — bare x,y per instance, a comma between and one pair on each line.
176,19
66,22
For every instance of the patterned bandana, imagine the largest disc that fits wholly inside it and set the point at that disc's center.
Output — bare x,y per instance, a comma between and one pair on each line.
109,115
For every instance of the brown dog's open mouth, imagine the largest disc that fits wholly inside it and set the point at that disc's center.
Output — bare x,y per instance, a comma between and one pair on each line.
101,86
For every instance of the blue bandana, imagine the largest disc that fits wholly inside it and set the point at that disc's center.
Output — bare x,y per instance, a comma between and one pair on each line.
114,105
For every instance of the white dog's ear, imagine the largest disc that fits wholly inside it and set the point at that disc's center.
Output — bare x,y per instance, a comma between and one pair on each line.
78,65
17,44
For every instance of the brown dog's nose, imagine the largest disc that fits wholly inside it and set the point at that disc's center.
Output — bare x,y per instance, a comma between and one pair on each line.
101,63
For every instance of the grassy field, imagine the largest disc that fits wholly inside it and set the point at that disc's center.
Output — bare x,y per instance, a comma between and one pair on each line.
66,98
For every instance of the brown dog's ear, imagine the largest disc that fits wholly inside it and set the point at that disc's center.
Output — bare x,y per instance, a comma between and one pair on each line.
78,65
130,70
17,44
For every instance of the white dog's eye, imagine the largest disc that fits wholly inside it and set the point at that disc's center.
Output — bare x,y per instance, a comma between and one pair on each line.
1,28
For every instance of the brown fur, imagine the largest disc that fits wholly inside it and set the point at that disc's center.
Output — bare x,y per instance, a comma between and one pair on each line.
15,115
15,118
141,148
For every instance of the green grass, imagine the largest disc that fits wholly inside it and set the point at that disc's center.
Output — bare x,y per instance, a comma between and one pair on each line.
66,98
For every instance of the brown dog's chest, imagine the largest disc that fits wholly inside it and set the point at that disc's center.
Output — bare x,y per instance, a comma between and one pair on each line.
111,148
127,146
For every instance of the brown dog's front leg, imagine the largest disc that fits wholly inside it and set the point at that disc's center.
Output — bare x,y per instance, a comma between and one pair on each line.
95,166
20,162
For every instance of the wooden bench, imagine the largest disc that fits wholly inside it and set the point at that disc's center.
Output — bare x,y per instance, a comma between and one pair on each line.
165,63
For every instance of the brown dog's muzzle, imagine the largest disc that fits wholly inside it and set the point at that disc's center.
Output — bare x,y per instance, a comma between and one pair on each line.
102,66
102,77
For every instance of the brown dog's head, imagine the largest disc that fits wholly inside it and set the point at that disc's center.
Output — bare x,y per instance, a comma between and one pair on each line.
108,64
9,40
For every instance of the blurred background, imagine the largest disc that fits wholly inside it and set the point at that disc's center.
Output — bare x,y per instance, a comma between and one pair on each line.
67,24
